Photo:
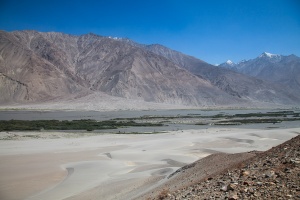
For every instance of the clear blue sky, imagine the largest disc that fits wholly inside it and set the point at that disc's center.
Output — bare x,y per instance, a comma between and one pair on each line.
212,30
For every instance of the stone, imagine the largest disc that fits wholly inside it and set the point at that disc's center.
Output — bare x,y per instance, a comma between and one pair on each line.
246,173
232,186
224,188
251,190
270,174
259,183
272,183
246,183
233,197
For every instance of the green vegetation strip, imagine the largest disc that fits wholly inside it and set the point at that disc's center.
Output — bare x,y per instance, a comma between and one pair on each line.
89,125
255,121
217,116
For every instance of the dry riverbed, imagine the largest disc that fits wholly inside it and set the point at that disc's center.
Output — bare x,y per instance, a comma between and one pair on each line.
58,165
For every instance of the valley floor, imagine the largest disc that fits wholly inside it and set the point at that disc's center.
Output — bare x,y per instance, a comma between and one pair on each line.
55,165
97,101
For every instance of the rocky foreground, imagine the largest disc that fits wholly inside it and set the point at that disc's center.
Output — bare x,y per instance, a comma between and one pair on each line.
274,174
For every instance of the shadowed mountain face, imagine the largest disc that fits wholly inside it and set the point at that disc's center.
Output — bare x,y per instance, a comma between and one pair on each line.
37,67
284,70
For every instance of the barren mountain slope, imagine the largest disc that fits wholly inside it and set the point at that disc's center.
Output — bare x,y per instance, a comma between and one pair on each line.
42,80
13,89
55,65
123,70
233,83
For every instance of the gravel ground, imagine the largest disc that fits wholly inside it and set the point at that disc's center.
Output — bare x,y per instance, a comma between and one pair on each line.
274,174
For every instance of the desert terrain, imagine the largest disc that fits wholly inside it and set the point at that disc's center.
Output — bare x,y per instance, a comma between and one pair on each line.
91,165
104,100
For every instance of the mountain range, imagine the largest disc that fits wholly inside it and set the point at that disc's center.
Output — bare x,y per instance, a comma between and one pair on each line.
42,67
284,70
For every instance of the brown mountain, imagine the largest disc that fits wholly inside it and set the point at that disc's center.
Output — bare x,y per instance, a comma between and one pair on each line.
32,69
231,82
37,67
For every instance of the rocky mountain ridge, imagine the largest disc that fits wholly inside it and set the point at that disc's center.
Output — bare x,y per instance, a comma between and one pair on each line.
56,65
230,82
279,69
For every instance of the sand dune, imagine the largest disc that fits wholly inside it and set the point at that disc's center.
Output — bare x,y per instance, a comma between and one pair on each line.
108,166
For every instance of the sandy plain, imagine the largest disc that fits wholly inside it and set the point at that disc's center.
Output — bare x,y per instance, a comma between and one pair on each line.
53,165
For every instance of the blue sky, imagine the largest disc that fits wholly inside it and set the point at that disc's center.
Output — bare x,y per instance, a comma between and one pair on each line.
212,30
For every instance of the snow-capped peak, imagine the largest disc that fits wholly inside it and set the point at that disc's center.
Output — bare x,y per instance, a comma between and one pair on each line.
266,54
271,57
115,38
229,62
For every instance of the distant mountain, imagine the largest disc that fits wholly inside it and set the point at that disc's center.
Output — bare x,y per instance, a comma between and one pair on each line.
284,70
233,83
38,67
